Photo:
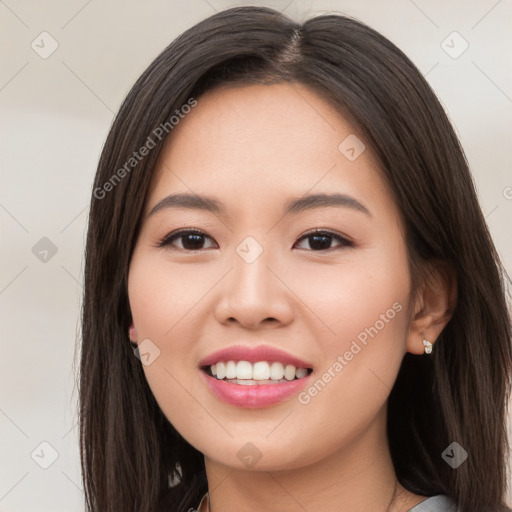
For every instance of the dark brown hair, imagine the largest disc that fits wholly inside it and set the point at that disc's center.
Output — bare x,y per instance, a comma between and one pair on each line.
130,452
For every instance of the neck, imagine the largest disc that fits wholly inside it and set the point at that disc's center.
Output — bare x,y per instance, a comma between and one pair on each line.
357,477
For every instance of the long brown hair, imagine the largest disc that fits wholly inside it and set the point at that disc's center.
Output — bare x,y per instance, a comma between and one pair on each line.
132,457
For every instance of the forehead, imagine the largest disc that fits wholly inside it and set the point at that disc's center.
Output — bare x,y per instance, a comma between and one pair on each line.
259,143
247,126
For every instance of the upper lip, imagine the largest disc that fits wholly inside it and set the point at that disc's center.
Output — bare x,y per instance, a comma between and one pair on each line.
253,355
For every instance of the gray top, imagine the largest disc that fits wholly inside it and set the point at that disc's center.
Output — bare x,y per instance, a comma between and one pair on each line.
439,503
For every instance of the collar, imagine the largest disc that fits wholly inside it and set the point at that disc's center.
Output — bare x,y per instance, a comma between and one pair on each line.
204,505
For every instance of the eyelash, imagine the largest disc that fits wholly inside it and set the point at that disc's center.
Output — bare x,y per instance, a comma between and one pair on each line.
167,240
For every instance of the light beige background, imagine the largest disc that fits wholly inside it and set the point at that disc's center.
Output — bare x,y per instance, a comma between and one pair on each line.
55,113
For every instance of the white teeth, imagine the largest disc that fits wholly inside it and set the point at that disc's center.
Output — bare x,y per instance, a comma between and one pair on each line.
289,372
230,370
301,372
243,370
276,371
252,382
259,371
221,370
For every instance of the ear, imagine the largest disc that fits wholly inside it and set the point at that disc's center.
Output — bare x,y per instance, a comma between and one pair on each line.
434,304
132,333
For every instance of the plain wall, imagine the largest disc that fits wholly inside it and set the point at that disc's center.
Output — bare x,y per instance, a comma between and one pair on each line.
55,113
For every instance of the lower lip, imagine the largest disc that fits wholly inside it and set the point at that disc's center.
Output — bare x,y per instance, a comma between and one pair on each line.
254,396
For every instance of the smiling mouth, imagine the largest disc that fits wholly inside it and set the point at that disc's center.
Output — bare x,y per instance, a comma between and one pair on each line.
259,373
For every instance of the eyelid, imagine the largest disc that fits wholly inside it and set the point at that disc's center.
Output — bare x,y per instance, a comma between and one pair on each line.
345,241
166,240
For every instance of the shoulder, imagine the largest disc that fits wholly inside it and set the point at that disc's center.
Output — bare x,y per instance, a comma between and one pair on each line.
440,503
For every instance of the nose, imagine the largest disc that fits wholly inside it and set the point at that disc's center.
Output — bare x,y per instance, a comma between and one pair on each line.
254,294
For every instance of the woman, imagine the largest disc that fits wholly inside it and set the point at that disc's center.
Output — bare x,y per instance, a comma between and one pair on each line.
275,370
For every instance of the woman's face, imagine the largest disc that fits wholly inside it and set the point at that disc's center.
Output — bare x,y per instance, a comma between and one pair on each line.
253,278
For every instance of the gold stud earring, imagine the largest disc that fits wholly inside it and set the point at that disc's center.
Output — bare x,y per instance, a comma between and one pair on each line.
428,347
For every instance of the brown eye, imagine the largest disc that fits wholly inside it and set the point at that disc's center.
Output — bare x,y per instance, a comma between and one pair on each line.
192,239
321,240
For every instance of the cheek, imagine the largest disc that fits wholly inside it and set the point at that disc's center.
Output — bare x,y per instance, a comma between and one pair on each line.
162,300
361,322
164,296
359,297
364,305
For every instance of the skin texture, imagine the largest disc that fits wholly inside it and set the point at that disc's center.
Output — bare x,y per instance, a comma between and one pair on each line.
253,148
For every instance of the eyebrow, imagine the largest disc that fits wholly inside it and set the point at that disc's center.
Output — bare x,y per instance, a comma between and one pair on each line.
309,202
